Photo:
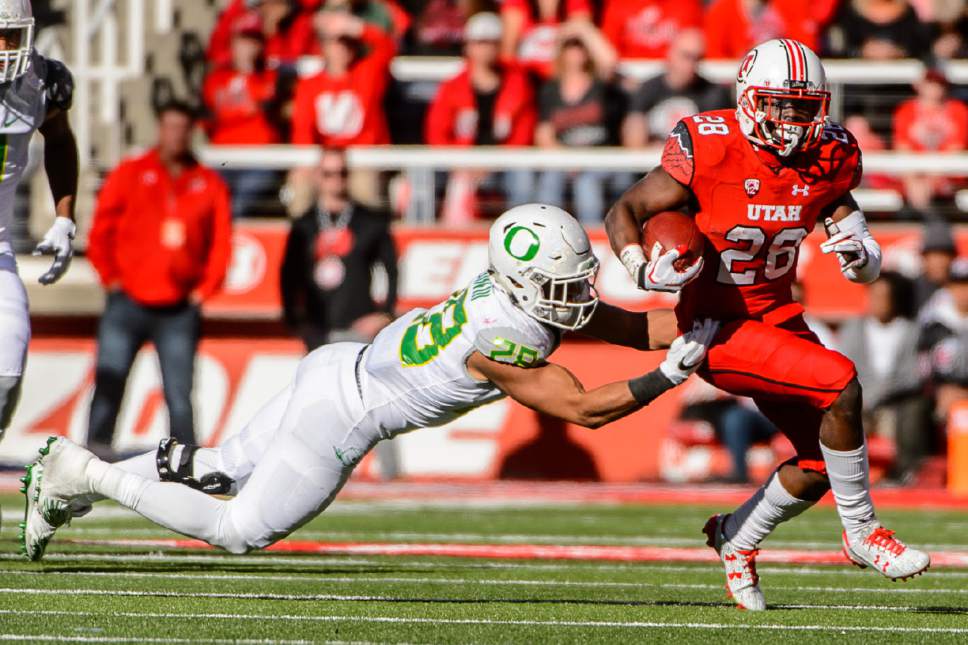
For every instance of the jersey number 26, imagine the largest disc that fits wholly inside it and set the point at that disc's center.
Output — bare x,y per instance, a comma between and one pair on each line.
781,254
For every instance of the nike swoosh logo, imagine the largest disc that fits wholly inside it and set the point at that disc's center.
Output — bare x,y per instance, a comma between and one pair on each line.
683,366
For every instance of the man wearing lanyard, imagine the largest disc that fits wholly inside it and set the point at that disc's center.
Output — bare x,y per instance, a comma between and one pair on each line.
331,253
160,242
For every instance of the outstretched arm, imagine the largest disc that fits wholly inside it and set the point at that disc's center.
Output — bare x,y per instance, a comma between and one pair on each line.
646,330
552,389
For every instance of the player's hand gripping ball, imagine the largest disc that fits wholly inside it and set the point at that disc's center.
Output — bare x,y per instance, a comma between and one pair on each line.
674,245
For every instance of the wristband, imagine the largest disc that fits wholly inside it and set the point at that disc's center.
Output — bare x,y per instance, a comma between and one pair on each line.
632,256
649,387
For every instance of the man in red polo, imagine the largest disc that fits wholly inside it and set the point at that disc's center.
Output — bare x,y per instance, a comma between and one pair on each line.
160,243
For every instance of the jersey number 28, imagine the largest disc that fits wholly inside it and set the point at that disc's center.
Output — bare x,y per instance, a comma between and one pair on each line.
780,255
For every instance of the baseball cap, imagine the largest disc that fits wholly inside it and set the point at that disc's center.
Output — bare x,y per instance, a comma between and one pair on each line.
248,24
937,237
483,26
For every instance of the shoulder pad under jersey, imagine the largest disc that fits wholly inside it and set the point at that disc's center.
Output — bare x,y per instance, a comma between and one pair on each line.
504,333
58,83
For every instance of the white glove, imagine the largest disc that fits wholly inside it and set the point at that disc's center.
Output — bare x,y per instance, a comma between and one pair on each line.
57,242
658,274
688,351
857,251
849,249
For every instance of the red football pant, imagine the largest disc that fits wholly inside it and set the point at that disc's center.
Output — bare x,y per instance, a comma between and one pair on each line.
792,377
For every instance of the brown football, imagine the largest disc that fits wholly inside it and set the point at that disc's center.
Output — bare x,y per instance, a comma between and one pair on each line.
674,230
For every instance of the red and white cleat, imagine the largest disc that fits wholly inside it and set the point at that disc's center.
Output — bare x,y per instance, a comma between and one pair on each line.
880,550
742,582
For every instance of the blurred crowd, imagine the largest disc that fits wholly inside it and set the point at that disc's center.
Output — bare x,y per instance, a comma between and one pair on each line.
546,73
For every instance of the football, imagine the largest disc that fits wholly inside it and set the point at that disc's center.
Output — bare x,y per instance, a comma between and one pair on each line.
674,230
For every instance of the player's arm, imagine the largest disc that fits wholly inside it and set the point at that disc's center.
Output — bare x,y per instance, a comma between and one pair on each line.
61,164
857,251
663,189
646,330
552,389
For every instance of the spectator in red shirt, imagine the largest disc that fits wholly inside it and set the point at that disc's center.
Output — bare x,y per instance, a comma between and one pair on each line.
242,105
282,22
733,27
489,103
343,105
646,28
530,34
160,243
932,121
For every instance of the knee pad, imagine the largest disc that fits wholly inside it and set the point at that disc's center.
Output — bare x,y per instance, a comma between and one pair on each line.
9,396
177,466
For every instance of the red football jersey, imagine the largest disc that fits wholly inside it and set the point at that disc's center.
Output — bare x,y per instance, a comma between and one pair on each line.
754,212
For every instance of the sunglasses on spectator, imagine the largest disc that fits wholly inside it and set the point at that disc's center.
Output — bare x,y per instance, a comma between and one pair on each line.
329,174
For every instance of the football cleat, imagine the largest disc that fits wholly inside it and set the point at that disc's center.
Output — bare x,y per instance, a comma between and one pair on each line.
50,483
880,550
742,581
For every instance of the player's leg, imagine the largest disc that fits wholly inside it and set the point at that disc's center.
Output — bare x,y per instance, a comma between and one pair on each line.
811,394
234,459
121,333
307,463
14,338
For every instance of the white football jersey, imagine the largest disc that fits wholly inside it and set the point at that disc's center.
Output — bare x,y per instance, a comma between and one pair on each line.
24,104
415,372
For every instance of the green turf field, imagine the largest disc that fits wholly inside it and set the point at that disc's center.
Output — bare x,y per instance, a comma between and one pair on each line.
91,593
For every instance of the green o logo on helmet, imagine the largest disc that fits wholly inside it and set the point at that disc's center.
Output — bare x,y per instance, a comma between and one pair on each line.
521,243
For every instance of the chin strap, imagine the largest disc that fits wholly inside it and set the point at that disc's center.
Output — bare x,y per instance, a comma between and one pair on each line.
175,463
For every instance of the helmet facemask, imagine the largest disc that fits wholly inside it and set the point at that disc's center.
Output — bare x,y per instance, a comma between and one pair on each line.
786,120
16,43
566,302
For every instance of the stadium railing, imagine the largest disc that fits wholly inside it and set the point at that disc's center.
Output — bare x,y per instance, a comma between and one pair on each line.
420,165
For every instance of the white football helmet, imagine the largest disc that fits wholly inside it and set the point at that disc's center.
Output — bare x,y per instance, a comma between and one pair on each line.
541,256
17,23
781,95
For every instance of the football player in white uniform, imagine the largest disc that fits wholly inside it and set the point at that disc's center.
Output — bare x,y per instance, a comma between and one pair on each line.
35,94
488,340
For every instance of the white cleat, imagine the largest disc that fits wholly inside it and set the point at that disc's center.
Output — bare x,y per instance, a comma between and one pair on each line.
742,582
880,550
50,484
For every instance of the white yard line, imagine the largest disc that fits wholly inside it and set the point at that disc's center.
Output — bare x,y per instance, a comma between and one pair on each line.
489,621
270,559
498,582
375,598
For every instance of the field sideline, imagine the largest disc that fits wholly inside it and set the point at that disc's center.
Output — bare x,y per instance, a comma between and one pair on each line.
113,577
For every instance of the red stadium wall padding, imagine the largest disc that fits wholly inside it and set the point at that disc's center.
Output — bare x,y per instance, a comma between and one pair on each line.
435,262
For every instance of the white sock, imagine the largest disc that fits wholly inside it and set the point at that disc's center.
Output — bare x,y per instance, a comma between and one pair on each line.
850,483
174,506
770,505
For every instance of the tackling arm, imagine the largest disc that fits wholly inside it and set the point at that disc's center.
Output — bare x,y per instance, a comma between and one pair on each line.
645,331
552,389
857,251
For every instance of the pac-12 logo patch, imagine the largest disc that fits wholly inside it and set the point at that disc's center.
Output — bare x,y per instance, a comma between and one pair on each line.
752,187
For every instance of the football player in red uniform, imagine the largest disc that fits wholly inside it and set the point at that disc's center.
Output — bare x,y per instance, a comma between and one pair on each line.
757,179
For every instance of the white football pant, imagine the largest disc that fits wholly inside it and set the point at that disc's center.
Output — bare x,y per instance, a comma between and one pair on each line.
289,462
14,336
